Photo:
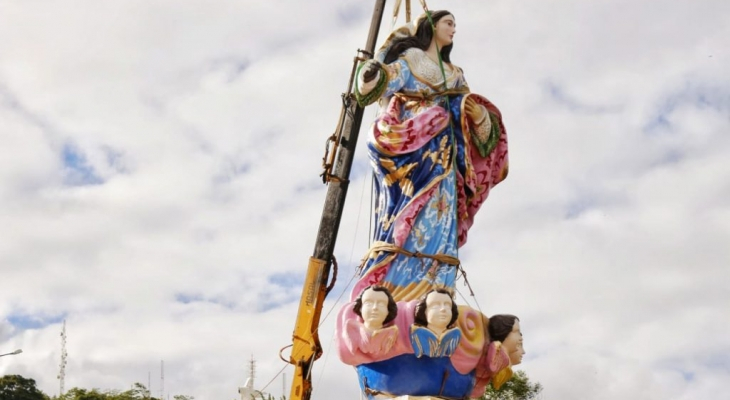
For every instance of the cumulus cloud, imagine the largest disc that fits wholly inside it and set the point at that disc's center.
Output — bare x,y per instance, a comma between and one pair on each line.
159,180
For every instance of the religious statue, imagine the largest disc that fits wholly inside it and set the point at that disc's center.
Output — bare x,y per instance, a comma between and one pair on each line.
437,150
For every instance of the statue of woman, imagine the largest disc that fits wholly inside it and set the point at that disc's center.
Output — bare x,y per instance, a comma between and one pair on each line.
436,150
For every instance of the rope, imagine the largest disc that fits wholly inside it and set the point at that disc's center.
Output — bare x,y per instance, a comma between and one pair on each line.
396,11
277,374
391,248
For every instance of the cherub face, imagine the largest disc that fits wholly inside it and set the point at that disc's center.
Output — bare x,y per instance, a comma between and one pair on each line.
513,344
374,308
515,357
438,311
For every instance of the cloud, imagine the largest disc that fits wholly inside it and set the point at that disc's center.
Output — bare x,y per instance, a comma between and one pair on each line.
159,180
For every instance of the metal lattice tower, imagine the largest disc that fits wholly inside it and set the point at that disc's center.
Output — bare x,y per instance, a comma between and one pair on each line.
252,370
162,379
64,355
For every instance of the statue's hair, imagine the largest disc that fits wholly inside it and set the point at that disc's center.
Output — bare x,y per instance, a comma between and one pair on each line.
500,326
422,39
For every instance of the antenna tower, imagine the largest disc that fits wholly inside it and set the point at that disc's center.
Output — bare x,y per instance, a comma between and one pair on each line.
252,370
62,372
162,379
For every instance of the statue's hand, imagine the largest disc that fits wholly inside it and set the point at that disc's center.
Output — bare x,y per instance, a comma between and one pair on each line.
476,112
370,70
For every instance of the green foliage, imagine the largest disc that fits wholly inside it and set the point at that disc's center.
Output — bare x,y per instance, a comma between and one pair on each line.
83,394
518,387
137,392
260,396
15,387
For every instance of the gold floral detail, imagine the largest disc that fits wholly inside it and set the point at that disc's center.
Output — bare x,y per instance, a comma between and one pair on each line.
398,175
441,156
420,237
386,221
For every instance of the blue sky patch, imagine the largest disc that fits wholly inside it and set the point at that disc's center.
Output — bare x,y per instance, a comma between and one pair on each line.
287,280
28,321
700,97
78,170
291,291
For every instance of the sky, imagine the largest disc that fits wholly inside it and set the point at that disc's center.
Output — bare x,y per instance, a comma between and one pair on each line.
160,189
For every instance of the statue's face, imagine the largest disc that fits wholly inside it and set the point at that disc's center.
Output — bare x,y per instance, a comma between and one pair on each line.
515,357
438,311
445,30
374,308
513,344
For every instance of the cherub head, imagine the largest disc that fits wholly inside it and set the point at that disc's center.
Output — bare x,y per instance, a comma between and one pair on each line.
506,329
436,310
375,306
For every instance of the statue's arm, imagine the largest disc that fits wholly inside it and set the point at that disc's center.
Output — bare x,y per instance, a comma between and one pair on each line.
376,80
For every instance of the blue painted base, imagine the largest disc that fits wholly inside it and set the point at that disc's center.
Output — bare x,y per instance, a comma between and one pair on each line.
408,375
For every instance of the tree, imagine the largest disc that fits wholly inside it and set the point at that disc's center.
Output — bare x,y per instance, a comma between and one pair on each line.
83,394
518,387
137,392
268,397
15,387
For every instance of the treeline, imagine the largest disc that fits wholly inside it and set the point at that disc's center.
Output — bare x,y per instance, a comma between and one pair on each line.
16,387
